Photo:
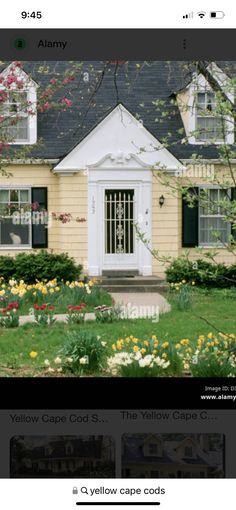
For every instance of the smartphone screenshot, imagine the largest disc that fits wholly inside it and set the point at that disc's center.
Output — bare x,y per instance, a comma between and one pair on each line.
117,255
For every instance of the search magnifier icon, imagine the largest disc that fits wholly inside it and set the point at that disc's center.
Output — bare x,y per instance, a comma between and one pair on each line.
84,490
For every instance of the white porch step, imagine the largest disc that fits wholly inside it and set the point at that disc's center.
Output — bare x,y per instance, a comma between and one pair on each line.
137,284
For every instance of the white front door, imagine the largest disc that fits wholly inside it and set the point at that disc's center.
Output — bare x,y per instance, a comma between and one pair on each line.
119,215
117,199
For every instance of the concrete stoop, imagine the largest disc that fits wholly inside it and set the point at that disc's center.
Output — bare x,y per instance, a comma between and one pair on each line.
134,284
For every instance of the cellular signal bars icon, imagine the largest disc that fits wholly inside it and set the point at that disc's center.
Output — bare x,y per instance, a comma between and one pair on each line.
189,15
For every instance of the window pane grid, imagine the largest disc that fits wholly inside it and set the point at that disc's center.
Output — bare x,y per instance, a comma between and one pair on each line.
212,225
16,108
12,233
208,126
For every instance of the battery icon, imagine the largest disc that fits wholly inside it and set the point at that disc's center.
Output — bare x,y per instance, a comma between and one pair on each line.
217,14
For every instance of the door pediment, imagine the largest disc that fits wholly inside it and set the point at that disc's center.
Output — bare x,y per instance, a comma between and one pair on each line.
119,159
118,141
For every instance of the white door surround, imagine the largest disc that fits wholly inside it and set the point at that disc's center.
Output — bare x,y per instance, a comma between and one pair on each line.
119,153
139,180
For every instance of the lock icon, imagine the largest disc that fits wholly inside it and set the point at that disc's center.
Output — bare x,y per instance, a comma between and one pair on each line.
75,490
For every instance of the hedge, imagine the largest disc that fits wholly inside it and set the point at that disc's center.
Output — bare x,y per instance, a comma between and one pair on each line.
202,272
38,266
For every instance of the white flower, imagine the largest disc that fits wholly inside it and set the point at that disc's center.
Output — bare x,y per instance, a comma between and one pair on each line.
47,363
70,360
57,360
50,369
59,369
120,359
161,362
87,288
12,283
195,359
103,344
146,361
84,360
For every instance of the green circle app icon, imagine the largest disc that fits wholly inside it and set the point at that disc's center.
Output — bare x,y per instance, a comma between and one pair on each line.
20,44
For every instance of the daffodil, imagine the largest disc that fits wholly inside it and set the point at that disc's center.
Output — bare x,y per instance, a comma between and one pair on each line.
165,345
33,354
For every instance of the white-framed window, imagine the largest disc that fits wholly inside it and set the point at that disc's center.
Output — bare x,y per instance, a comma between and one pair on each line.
154,449
209,125
15,224
19,108
205,125
16,119
69,449
213,229
188,451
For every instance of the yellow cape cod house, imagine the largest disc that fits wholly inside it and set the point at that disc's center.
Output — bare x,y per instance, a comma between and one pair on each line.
105,178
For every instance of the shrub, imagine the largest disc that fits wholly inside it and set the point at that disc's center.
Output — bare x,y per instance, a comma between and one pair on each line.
7,267
202,272
83,351
39,266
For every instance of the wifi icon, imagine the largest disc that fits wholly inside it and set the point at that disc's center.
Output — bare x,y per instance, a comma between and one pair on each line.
201,14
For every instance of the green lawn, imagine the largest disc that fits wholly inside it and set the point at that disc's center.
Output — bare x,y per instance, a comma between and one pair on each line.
217,308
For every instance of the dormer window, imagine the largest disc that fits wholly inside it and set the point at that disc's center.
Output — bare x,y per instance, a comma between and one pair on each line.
69,449
188,451
18,107
200,108
154,449
15,117
47,451
209,126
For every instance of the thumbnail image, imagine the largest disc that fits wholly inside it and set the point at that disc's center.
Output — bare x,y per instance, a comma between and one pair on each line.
62,457
117,205
173,456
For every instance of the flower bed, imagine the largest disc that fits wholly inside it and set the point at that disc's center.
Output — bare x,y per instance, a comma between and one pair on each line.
63,296
210,356
85,352
9,316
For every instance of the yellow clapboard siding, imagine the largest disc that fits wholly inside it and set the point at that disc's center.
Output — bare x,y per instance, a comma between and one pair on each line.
65,194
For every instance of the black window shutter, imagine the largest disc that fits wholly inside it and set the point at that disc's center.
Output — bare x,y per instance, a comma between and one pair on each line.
190,222
40,232
233,197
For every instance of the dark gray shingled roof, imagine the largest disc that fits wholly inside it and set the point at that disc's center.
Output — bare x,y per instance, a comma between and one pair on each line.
135,87
81,448
133,452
